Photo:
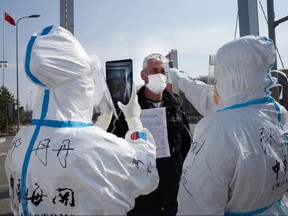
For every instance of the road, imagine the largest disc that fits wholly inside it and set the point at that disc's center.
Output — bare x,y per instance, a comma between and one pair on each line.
4,193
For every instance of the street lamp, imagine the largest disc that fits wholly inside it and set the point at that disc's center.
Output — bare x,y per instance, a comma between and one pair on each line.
3,64
17,79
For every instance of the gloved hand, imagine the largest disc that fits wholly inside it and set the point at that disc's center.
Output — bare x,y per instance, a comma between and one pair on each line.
132,111
104,119
174,75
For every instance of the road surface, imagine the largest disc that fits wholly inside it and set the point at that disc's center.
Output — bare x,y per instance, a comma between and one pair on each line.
4,193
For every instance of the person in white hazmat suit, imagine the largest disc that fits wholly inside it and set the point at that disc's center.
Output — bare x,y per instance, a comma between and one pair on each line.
62,164
237,164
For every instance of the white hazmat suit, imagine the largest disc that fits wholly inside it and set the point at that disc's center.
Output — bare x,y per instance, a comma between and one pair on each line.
237,164
62,164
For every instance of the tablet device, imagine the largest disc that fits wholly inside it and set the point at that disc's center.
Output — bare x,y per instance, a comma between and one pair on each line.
119,78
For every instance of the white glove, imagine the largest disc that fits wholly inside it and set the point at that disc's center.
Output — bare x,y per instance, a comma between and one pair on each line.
132,111
174,75
104,119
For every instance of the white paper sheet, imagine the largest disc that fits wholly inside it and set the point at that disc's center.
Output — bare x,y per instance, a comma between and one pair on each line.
155,121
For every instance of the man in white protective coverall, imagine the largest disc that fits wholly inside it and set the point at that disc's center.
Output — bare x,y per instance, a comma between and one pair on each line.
237,164
62,164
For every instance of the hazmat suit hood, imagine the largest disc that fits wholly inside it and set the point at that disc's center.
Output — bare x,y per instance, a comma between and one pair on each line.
62,163
57,63
242,70
230,168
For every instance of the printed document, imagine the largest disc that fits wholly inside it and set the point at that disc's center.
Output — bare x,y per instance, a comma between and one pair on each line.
155,121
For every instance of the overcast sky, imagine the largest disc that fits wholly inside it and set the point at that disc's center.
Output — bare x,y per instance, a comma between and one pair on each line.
119,29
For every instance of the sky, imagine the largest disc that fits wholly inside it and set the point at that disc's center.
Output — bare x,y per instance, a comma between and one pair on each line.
133,29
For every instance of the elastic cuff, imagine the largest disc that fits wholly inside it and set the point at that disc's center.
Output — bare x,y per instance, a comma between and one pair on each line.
134,123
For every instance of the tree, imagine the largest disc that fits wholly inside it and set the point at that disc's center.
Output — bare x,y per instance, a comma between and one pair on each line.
6,102
27,115
202,78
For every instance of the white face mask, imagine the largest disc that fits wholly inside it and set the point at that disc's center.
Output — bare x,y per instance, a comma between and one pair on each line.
156,83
